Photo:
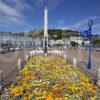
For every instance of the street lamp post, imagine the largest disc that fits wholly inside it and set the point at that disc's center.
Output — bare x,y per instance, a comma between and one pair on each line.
87,33
90,23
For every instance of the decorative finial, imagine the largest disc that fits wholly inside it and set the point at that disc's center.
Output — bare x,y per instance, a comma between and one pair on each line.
90,23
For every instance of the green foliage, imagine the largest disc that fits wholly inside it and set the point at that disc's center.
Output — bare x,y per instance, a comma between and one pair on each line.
74,44
54,33
96,41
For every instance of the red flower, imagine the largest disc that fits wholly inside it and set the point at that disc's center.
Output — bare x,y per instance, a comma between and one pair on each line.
57,93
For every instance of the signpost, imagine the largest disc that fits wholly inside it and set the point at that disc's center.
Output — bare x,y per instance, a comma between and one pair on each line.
87,34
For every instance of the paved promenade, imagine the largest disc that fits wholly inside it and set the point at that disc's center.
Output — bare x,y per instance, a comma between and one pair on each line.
82,56
8,62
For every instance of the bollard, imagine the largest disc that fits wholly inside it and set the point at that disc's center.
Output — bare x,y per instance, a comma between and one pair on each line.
79,55
30,54
1,79
45,54
60,53
99,77
65,57
57,53
74,62
19,64
33,54
26,58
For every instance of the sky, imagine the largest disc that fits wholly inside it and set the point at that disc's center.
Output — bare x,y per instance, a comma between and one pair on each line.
26,15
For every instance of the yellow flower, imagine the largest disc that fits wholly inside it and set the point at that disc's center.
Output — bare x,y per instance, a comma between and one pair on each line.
25,98
16,91
92,98
48,98
66,95
58,98
49,73
66,98
30,96
28,87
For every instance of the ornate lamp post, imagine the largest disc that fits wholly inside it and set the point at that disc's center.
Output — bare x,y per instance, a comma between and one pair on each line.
87,34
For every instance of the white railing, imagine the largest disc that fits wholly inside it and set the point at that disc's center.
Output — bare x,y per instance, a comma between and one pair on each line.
34,52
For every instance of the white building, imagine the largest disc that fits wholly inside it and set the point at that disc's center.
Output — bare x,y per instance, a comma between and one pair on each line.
52,42
77,39
60,41
15,40
66,42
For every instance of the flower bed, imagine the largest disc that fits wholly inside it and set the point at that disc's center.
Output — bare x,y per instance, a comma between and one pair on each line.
50,78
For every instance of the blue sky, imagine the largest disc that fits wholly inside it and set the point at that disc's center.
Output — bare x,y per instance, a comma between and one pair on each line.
25,15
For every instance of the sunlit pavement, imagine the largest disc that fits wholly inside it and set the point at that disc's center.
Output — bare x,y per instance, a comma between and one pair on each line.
8,62
83,57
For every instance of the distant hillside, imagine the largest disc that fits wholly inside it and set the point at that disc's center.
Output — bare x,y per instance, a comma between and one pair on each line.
54,33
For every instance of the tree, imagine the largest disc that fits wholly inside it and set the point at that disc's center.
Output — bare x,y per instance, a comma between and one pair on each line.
74,44
96,41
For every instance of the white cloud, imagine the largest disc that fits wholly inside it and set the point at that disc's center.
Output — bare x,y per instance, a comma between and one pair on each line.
12,13
61,22
63,27
51,4
80,23
21,5
97,25
5,9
